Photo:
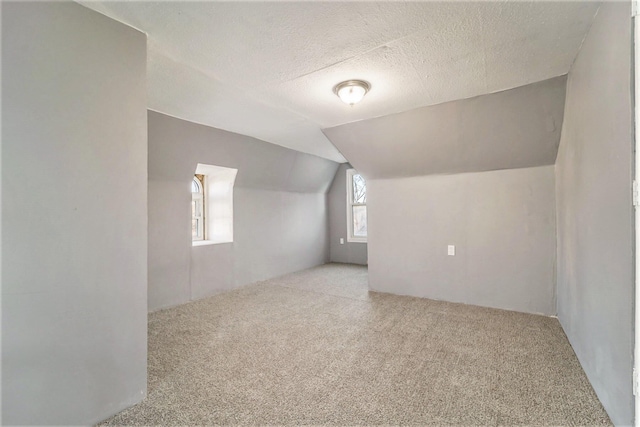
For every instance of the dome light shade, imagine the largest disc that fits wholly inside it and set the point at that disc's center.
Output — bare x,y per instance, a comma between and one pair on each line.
352,91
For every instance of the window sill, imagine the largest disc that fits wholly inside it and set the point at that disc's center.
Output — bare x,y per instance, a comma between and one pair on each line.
206,242
356,240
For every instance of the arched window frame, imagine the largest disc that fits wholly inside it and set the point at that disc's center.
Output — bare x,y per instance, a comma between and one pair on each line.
217,204
356,207
197,208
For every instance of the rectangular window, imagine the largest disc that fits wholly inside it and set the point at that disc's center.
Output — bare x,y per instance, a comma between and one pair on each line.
356,207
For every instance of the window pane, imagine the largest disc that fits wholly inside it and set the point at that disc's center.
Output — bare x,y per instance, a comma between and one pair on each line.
196,218
359,221
195,186
359,189
194,228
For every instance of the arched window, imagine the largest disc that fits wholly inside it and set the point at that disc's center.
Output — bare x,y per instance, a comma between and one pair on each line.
212,204
197,208
356,207
196,187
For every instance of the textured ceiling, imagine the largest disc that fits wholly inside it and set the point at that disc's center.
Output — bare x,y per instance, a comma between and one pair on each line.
515,128
267,69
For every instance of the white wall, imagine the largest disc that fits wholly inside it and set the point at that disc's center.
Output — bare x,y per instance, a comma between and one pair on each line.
595,214
280,211
502,224
74,225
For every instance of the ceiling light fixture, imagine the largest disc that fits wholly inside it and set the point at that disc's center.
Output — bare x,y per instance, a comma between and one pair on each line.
351,91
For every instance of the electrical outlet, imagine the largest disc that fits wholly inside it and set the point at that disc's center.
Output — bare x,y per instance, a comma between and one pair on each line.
451,250
342,240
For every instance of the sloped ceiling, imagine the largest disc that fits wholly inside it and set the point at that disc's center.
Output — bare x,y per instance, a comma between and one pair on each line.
269,167
512,129
267,69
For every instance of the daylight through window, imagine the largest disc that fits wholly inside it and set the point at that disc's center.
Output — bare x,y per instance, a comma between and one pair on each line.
212,204
356,207
197,208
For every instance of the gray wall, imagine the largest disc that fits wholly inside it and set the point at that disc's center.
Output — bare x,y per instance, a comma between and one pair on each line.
74,225
349,252
595,215
280,211
515,128
502,224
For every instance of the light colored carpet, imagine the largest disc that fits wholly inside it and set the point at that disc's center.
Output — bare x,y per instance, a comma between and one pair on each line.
315,347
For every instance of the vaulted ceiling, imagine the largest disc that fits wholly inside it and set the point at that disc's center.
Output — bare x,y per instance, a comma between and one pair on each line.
267,69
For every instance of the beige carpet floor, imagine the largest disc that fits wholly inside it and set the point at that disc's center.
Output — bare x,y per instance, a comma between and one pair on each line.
315,347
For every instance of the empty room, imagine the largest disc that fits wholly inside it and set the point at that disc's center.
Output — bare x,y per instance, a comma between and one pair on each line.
318,213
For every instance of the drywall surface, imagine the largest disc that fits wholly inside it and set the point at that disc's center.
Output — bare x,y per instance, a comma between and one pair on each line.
280,211
217,63
595,214
169,241
74,225
349,252
502,224
516,128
